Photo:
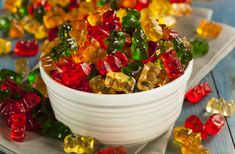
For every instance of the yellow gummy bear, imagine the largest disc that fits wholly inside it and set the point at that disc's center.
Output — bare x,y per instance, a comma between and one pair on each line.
79,144
208,29
98,86
54,18
12,5
5,46
22,66
16,29
120,82
149,77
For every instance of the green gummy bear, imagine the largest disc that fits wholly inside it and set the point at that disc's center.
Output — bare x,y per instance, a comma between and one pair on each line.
184,52
116,41
133,69
139,46
5,23
200,47
6,74
131,21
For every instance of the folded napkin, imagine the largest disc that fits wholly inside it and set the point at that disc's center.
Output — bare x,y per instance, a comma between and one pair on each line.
219,48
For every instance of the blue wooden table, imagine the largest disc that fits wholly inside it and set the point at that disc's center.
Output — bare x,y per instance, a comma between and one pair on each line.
222,81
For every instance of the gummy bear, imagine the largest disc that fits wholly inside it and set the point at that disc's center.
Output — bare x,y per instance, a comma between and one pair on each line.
152,29
191,148
23,104
86,52
16,29
35,80
172,64
195,94
26,48
48,63
208,29
22,66
48,45
5,46
71,74
130,22
200,47
113,150
184,135
140,4
133,69
5,23
35,28
55,129
214,124
18,124
112,63
120,82
78,144
79,31
10,75
116,41
221,106
162,78
149,77
12,5
54,18
98,86
194,123
139,46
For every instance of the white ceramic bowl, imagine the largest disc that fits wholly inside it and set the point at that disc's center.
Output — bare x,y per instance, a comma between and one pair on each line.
118,119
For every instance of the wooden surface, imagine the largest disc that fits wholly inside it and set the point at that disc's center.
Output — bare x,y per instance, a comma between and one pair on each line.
222,80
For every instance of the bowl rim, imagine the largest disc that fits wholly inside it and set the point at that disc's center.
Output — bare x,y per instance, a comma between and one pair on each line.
187,72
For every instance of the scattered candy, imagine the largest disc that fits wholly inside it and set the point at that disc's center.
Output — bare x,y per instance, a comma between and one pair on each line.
221,106
18,124
208,29
190,142
113,150
212,126
26,48
200,47
22,66
196,94
5,46
78,144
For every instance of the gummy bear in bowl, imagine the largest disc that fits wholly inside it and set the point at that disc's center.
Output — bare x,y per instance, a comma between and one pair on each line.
117,75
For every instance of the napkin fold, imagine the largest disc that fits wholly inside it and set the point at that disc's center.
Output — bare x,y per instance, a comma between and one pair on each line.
219,48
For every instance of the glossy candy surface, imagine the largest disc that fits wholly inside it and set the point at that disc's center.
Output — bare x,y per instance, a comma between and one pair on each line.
221,106
113,150
78,144
18,124
196,94
26,48
208,29
120,82
22,66
214,124
5,46
172,64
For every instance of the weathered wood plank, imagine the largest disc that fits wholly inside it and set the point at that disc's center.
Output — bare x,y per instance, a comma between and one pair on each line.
224,76
221,143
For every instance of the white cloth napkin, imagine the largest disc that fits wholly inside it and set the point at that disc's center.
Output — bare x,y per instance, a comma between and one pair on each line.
219,48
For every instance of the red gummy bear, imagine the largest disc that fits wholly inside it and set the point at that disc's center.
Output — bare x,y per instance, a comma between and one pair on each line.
18,124
180,1
153,46
112,150
140,4
113,63
22,101
53,33
26,48
102,31
71,73
196,94
194,123
172,64
214,124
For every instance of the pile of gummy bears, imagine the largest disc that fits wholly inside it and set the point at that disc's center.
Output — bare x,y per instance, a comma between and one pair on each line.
115,51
